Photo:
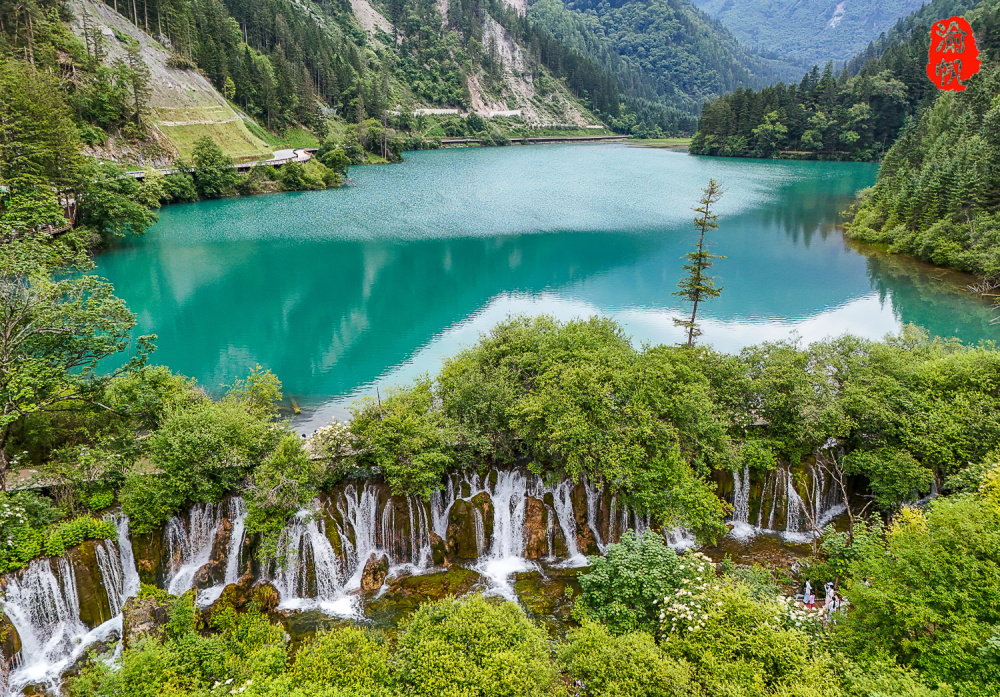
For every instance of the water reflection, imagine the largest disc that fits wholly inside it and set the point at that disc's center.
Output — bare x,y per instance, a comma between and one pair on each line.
335,291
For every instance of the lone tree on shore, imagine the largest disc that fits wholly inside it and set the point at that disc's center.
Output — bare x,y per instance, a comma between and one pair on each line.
697,286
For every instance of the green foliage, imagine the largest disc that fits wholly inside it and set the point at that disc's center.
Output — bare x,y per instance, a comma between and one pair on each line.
473,648
214,175
737,644
626,664
404,436
623,587
282,483
576,398
349,657
24,525
56,328
935,197
930,594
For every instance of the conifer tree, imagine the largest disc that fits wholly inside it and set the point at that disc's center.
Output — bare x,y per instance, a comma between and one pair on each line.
697,286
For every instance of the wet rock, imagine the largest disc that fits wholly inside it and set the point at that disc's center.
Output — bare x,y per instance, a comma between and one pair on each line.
484,504
143,617
235,595
439,551
462,531
536,529
548,596
214,571
375,571
94,652
150,554
397,513
95,608
405,594
10,641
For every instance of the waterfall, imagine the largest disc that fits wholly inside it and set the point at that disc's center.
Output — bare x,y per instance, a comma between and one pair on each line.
440,508
477,518
742,530
593,496
358,510
562,499
190,546
506,555
42,604
303,548
238,516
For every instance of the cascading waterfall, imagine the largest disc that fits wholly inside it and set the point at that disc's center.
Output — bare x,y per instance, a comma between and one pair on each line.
238,517
304,548
477,520
562,499
190,546
742,530
593,497
42,604
506,555
823,503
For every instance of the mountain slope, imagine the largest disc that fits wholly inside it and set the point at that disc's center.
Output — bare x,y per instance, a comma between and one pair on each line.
663,49
827,115
808,31
937,196
183,103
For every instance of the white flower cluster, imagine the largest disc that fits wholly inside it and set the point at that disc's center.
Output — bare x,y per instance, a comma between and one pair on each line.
687,609
11,518
234,690
793,614
331,441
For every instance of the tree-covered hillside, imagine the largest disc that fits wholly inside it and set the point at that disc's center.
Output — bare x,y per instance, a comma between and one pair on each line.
855,114
809,31
937,196
661,50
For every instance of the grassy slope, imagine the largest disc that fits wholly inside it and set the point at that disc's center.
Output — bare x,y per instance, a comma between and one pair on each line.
184,103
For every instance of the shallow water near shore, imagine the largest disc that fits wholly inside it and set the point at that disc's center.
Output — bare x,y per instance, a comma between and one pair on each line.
339,291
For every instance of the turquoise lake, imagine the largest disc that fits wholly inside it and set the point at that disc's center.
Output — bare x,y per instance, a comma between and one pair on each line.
339,291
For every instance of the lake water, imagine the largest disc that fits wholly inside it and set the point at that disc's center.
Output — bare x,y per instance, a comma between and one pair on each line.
338,291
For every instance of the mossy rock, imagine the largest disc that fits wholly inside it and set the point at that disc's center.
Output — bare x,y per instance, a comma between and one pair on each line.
303,626
462,530
545,598
150,552
95,607
10,641
585,540
405,594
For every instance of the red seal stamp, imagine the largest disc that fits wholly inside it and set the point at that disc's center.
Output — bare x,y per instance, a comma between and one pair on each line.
953,57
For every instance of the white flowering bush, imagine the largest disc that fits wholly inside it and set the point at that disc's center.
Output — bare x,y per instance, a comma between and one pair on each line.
686,609
332,441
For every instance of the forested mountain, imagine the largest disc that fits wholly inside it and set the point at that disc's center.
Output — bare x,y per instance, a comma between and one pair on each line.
827,114
663,51
809,31
937,196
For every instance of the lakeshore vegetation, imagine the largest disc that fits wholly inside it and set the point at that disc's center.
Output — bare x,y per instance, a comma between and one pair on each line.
570,398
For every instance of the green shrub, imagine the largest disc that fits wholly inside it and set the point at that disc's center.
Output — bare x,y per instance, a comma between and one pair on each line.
622,588
347,657
628,664
473,648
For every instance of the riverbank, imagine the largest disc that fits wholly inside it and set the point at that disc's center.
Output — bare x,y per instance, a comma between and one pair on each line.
680,144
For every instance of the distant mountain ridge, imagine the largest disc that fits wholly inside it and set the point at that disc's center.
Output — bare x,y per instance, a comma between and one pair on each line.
809,31
665,52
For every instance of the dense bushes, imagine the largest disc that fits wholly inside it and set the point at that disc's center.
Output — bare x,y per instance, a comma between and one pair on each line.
24,541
